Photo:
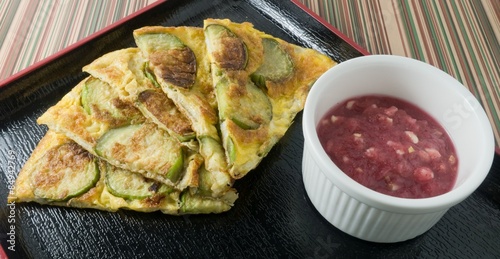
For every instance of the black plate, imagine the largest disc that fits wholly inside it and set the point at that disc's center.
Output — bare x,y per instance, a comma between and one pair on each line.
273,216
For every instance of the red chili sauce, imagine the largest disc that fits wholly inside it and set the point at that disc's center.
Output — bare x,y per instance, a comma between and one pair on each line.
389,146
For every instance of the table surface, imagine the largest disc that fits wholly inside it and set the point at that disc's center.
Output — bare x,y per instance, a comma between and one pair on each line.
461,37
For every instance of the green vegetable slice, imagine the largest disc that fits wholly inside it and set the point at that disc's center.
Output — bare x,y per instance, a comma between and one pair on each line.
247,106
277,64
128,185
214,151
153,42
155,105
228,51
231,150
101,101
143,147
64,172
174,62
194,204
150,75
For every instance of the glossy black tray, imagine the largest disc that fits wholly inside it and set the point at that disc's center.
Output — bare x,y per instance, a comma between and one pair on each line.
273,217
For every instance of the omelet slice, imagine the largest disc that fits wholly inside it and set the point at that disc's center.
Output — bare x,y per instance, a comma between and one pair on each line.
178,62
126,70
261,84
62,173
115,130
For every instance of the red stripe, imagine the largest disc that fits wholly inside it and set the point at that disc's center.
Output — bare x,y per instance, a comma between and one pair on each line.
46,34
345,14
331,28
15,48
400,30
76,45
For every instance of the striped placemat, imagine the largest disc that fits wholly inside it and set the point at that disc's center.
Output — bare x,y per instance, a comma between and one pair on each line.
461,37
31,30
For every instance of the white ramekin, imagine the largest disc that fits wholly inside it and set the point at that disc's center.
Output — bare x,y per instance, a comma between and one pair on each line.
367,214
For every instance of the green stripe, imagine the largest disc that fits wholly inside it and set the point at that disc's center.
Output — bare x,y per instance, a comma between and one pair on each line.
10,8
434,35
361,22
483,84
35,36
454,69
416,51
469,48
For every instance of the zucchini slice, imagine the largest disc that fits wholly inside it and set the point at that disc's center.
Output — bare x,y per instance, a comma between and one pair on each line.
277,64
228,51
101,101
113,137
195,204
128,185
246,105
64,172
150,75
175,171
157,106
231,150
153,42
143,147
214,152
84,99
174,62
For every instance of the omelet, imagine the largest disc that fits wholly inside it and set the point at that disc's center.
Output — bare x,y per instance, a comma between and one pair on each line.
171,124
62,173
103,118
261,83
178,59
126,71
